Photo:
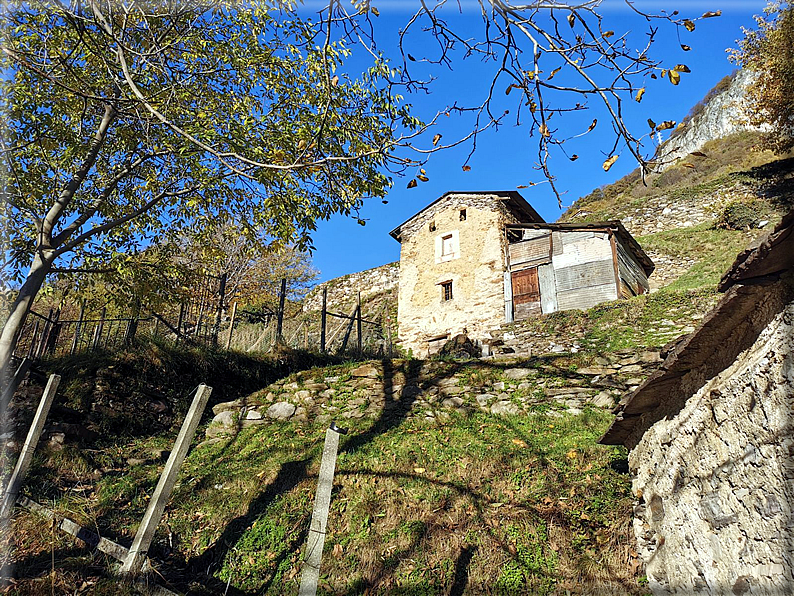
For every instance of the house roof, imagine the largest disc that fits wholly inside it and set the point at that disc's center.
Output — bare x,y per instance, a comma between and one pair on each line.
517,204
612,225
723,334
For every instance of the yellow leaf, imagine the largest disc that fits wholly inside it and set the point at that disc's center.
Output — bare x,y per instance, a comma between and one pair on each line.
520,443
690,26
711,13
667,124
375,11
554,72
423,178
436,139
412,184
675,78
466,168
681,68
509,89
640,93
685,47
422,171
572,453
608,163
698,154
301,145
338,550
335,80
651,123
573,157
592,124
571,19
688,165
544,130
419,470
608,34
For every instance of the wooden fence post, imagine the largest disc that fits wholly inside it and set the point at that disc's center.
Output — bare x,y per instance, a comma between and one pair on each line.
358,327
180,322
280,323
306,335
32,347
322,501
26,455
349,330
154,512
323,320
219,311
231,326
98,330
55,332
77,330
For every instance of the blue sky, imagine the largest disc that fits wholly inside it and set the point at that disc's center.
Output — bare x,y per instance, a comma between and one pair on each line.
505,158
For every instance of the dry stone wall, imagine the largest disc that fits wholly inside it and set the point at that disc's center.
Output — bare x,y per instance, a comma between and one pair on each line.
343,290
721,523
434,390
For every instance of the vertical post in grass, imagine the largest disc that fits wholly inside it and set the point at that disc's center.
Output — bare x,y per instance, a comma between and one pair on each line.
26,455
358,327
323,319
231,326
154,512
322,501
77,330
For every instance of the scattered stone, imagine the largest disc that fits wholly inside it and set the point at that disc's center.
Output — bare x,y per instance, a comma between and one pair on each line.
515,374
452,402
460,346
596,370
603,400
134,461
317,387
484,399
253,415
282,410
365,370
303,395
631,368
331,380
227,406
502,408
633,382
499,386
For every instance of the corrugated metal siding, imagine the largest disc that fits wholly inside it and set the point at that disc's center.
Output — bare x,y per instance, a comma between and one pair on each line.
537,250
585,275
548,288
632,276
586,250
586,297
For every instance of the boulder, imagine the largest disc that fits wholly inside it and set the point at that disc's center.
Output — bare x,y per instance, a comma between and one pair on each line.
227,406
282,410
515,374
504,407
460,346
366,370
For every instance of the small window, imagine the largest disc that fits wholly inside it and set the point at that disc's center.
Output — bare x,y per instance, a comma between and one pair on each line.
446,289
447,247
462,215
432,226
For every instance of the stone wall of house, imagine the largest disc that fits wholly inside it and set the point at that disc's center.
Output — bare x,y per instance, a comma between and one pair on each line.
715,480
476,272
343,291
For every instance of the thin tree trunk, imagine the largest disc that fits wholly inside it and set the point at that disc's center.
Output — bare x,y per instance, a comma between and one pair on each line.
19,310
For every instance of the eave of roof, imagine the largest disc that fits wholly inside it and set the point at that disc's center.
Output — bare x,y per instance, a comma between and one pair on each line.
614,224
514,200
745,291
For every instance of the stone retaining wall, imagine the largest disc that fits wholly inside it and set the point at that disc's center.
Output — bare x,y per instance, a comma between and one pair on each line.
343,290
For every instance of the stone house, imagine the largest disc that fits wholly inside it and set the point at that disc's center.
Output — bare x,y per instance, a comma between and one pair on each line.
711,439
472,261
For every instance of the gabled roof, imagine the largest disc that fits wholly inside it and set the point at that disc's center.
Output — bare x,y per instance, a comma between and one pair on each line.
729,329
613,225
512,199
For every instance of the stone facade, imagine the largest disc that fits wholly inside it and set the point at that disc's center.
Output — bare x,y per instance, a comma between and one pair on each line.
473,260
721,522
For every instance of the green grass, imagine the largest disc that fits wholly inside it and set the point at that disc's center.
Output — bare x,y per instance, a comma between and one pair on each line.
714,251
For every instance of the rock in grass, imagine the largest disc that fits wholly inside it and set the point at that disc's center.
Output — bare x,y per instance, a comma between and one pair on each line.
502,408
282,410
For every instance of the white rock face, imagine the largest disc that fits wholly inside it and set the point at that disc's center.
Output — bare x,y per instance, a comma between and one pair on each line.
716,480
724,115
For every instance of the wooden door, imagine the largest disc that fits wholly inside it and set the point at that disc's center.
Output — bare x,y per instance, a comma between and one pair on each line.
526,293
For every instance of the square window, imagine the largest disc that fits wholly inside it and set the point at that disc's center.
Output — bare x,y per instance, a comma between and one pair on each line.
447,246
462,215
432,226
446,289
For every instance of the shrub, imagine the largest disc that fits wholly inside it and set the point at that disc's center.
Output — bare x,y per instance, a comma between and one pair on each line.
743,215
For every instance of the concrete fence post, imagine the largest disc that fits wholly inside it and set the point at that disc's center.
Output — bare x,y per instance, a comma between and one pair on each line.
154,512
26,455
322,501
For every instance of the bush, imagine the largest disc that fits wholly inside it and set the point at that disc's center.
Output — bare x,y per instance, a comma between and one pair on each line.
743,215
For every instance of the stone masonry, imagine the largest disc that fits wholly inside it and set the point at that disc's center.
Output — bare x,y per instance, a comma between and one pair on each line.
721,522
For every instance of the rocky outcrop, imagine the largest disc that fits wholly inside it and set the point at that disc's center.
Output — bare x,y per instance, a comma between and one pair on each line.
724,115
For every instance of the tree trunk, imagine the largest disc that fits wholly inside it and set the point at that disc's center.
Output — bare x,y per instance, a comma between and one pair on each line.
19,310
